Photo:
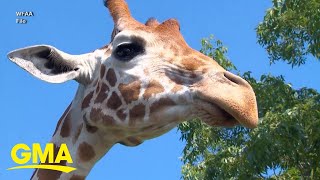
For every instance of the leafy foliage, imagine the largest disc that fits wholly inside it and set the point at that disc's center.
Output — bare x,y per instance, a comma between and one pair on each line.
285,145
214,48
290,31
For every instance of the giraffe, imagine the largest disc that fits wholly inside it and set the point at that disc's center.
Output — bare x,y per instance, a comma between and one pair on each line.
139,86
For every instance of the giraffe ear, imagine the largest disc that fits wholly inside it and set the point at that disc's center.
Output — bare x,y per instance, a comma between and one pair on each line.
48,63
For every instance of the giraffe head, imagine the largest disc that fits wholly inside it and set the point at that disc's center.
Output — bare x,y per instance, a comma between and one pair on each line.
146,80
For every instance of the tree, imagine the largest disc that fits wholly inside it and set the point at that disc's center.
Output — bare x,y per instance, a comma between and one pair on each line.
285,145
290,31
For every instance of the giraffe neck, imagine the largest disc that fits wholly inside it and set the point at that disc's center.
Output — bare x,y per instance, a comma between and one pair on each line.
85,144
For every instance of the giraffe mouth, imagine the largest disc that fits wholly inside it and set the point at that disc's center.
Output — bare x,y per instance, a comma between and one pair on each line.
214,115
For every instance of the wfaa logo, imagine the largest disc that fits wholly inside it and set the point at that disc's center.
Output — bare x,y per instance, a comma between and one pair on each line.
27,158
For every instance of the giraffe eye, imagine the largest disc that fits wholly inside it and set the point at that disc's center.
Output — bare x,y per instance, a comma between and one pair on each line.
127,51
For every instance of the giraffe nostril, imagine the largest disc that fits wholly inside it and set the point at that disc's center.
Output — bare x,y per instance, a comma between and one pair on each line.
235,79
230,77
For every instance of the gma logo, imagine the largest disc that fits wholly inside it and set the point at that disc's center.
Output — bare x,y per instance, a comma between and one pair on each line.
27,154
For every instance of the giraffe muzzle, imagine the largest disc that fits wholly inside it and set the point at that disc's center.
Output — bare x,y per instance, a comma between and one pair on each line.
229,97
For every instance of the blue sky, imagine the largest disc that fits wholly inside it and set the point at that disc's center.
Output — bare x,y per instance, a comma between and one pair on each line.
31,108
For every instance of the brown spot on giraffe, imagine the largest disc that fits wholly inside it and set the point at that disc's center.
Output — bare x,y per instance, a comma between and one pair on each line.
154,87
97,114
103,93
62,118
163,102
121,114
114,101
77,177
111,77
130,92
85,152
108,120
76,136
136,112
86,100
102,71
66,126
51,174
90,129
